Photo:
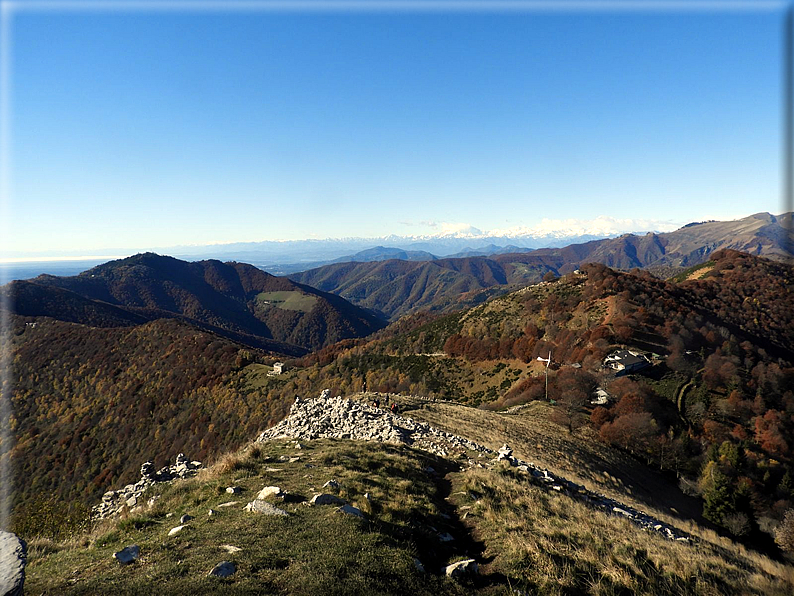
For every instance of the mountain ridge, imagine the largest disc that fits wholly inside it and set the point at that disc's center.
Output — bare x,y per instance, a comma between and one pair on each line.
233,298
762,234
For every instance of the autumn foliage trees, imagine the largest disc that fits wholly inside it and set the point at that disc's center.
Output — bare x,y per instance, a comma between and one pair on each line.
91,404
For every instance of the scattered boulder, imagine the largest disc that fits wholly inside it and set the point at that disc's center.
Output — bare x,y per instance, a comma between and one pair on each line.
263,507
13,556
147,469
506,454
231,549
185,518
234,490
127,554
350,510
332,484
270,491
326,499
212,513
223,569
176,530
461,568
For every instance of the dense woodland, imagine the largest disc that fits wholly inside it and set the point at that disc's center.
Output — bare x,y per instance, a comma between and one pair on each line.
230,299
715,412
90,405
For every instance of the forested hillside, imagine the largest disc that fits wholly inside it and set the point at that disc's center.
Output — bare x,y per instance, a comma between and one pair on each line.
715,410
91,404
234,299
396,288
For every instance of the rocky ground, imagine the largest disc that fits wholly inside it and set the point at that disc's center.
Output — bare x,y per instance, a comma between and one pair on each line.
127,498
340,418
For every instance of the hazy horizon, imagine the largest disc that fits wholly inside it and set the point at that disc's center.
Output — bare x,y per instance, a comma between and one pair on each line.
141,128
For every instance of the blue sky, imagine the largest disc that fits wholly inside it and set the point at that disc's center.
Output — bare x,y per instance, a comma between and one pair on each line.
140,129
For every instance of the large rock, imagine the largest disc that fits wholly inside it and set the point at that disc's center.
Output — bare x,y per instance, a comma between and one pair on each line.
270,491
461,568
223,569
350,510
13,556
326,499
265,508
127,554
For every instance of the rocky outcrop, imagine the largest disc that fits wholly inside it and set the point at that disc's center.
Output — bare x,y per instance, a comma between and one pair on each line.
129,497
13,556
265,508
339,418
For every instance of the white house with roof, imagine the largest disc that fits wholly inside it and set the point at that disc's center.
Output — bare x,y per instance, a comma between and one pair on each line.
626,361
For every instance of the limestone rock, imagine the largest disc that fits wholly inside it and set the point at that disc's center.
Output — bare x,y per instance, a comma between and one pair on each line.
350,510
270,491
185,518
326,499
223,569
176,530
332,484
233,490
127,554
114,501
461,568
13,556
231,549
263,507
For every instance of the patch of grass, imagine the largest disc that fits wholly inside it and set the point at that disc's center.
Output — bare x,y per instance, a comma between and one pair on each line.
547,543
286,300
315,550
524,537
693,272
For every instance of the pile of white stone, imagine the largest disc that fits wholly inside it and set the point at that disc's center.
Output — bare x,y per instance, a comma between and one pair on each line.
115,501
338,418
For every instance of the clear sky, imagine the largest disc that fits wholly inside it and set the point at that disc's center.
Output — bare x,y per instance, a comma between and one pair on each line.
141,128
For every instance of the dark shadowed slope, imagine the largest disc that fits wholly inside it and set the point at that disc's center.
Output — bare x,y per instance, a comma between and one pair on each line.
231,298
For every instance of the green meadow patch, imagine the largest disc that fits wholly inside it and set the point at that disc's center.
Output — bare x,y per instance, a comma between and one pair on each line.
286,300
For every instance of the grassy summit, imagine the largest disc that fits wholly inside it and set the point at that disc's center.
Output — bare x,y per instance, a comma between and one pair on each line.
524,537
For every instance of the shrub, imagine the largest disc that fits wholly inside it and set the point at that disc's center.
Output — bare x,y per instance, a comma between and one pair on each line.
784,535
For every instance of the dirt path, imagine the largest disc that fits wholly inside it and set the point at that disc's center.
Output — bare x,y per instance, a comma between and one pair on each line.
679,400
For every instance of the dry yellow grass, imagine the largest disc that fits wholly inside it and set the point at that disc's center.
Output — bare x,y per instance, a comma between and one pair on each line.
579,456
550,544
